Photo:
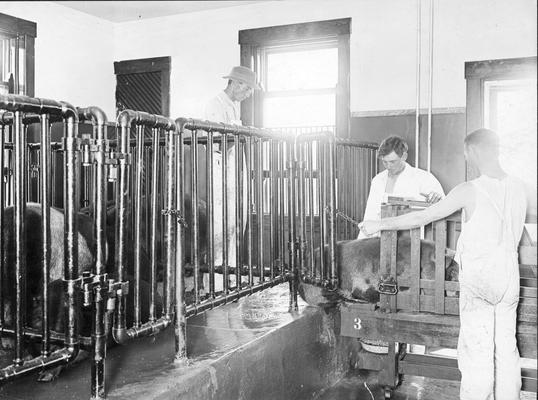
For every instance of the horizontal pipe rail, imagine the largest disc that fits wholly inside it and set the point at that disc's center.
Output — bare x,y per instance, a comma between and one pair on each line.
208,304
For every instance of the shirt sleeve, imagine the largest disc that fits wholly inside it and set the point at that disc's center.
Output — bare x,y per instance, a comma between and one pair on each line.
214,111
373,204
429,183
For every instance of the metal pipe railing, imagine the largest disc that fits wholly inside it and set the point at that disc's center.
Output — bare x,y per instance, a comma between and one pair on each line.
17,107
99,201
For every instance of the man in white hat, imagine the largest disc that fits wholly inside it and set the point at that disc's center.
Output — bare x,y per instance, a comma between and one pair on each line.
225,107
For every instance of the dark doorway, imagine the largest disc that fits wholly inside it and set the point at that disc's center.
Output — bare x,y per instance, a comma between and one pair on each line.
143,85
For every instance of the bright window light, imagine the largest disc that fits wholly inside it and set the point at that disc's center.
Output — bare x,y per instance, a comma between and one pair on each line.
299,70
299,111
301,87
510,110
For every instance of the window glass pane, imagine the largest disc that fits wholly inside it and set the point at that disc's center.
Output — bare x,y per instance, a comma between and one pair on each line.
313,110
512,114
306,69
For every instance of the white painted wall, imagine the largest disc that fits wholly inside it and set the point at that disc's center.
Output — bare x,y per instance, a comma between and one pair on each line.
73,54
204,45
75,51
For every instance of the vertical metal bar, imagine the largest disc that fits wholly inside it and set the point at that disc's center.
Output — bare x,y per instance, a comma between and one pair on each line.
249,212
333,276
300,166
99,197
311,208
155,215
194,208
259,206
2,205
282,204
292,233
321,202
53,172
180,326
45,212
122,223
224,148
170,226
273,201
139,169
430,88
210,214
20,237
71,273
238,210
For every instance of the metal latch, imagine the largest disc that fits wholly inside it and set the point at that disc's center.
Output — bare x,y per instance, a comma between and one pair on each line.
388,286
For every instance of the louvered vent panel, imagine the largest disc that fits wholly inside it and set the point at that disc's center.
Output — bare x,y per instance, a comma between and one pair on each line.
140,92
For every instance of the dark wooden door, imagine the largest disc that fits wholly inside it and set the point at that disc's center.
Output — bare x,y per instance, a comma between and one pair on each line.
143,85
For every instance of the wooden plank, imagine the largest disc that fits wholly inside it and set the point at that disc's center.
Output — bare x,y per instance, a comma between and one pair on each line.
529,381
527,255
385,252
420,328
430,366
527,312
527,271
526,336
388,375
430,284
414,286
528,282
528,292
432,330
440,245
428,304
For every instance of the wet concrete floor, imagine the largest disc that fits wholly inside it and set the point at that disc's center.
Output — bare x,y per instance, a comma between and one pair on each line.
209,336
362,385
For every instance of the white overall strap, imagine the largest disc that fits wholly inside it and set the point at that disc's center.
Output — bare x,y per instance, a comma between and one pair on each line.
501,213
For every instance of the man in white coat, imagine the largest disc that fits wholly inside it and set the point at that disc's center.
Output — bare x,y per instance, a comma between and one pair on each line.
398,179
494,209
225,107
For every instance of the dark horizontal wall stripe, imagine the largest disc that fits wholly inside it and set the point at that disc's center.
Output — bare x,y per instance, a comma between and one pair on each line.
448,132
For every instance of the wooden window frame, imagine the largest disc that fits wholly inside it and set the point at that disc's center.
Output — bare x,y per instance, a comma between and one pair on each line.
18,27
253,41
477,73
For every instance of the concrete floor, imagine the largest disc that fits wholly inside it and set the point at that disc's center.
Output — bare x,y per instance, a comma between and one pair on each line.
250,349
362,385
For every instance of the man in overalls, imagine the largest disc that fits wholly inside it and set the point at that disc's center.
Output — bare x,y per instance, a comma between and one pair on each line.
494,209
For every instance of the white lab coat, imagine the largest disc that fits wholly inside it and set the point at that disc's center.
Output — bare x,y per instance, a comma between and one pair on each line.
222,109
410,183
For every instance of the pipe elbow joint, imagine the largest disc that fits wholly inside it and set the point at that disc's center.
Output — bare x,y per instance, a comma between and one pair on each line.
120,335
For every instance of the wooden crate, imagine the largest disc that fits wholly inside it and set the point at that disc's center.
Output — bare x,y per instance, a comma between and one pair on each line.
445,233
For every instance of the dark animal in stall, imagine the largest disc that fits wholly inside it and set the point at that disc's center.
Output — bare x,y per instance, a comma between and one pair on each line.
34,277
145,264
358,265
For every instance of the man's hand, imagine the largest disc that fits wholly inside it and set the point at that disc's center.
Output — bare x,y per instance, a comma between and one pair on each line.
432,197
370,227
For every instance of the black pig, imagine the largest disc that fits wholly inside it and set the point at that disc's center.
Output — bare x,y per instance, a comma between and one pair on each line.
358,265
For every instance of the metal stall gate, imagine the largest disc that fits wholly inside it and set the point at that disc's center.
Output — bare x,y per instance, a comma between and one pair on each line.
333,180
233,240
22,278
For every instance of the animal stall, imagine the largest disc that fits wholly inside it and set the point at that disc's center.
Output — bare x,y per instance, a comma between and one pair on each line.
72,283
419,310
